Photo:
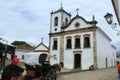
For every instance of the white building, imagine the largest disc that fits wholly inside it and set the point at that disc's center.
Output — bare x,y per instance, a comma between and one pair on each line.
33,57
21,54
40,48
79,43
116,6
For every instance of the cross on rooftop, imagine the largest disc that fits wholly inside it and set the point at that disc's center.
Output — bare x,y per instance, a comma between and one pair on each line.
61,4
42,39
77,10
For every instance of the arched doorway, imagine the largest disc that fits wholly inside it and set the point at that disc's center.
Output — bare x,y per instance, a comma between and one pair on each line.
77,61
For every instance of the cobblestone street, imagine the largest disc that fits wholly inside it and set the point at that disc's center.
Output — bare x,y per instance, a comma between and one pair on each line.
103,74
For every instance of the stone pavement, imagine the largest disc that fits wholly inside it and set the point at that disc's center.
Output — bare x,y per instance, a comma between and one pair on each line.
102,74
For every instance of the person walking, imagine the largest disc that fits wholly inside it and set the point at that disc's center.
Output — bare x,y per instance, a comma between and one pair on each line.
15,60
118,67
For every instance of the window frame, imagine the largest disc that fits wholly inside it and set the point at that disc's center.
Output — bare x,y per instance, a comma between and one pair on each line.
66,21
88,41
75,43
67,46
55,45
56,21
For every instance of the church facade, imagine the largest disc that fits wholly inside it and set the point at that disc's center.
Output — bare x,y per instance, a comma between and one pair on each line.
78,43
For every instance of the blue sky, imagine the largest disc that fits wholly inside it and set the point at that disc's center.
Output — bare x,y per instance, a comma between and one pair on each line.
29,20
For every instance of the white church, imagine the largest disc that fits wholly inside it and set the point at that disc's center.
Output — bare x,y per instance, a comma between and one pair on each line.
78,43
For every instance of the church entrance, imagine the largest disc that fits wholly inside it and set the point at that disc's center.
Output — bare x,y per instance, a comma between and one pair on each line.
77,61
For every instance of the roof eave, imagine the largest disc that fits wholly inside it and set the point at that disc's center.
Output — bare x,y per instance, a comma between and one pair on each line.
117,15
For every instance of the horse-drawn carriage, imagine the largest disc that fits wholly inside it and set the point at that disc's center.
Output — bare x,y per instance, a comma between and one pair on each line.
41,70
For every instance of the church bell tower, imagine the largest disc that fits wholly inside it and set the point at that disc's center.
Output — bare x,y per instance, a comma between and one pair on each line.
58,19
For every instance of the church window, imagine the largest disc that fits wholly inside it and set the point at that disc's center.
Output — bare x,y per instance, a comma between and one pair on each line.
86,42
23,57
66,21
69,44
77,24
55,44
56,21
77,43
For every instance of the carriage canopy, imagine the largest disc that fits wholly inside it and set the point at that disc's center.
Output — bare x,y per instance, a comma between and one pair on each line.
35,58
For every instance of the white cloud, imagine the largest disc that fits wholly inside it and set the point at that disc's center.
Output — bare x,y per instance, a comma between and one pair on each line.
29,20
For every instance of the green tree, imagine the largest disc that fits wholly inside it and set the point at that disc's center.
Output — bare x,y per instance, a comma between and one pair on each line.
17,43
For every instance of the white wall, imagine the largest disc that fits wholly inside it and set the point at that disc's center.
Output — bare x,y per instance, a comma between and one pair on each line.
59,23
113,55
55,52
20,54
86,53
103,49
59,15
83,24
66,16
41,48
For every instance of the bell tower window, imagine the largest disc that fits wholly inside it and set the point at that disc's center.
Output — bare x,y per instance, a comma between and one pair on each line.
56,21
55,44
66,21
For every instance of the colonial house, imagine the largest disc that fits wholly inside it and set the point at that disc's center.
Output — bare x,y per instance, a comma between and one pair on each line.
78,43
116,7
42,49
21,51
